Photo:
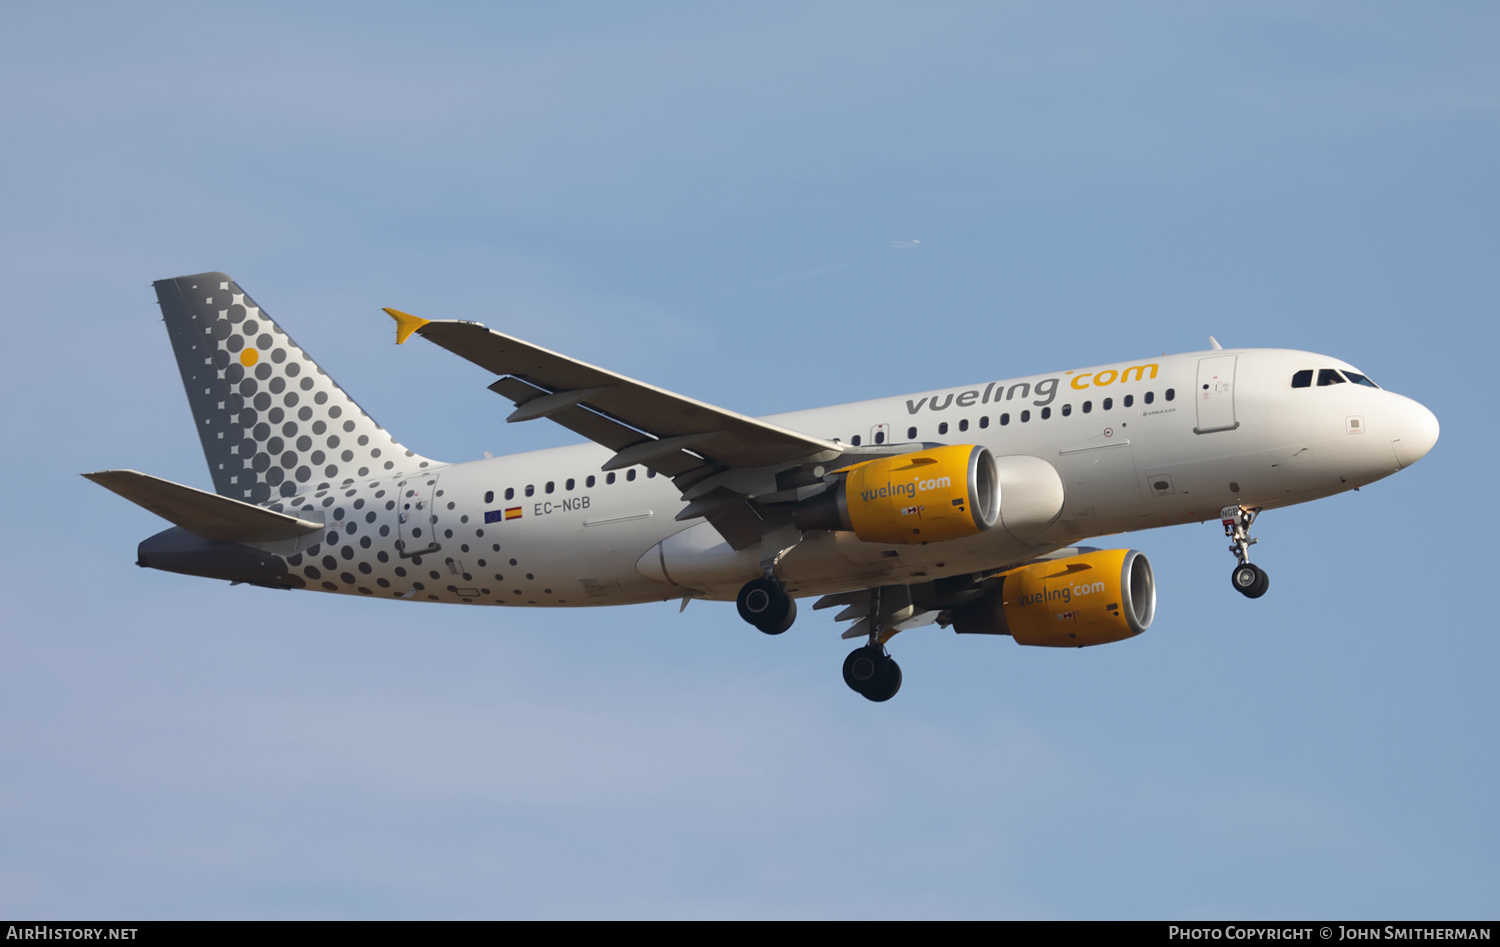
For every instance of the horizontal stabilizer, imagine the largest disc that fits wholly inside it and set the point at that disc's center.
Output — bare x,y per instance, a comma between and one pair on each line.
207,515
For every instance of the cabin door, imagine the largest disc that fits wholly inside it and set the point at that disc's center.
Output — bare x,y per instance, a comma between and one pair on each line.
1215,394
417,516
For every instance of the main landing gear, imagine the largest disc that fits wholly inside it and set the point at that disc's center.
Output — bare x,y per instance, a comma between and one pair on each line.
872,673
764,603
869,671
1249,580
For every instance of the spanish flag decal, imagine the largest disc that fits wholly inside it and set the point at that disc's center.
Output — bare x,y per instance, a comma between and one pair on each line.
513,513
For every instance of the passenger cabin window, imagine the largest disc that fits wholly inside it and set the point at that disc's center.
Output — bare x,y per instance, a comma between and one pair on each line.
984,421
911,433
489,496
1302,379
569,484
1108,403
630,474
880,437
590,481
650,474
1004,419
1025,416
963,425
530,490
1171,393
943,428
1328,376
1046,413
1150,396
854,440
1129,400
1067,410
1088,406
551,485
609,477
510,493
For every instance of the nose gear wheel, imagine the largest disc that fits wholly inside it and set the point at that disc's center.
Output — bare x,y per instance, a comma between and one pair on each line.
1250,580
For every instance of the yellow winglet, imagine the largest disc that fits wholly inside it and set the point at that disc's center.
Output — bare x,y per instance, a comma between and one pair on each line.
406,323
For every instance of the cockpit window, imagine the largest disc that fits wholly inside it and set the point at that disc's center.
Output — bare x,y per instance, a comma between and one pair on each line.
1329,376
1302,379
1359,379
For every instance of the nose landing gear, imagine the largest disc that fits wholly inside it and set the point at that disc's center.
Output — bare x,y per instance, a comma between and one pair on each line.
1249,580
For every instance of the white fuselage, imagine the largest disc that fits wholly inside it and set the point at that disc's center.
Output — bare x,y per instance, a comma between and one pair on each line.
1136,445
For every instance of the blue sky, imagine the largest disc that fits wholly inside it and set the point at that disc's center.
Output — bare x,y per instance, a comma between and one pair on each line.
713,200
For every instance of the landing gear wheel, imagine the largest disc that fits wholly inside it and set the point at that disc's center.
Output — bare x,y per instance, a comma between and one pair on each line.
786,620
1250,580
888,685
872,674
862,667
765,604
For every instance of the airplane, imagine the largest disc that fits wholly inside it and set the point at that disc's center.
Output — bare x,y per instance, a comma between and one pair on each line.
965,507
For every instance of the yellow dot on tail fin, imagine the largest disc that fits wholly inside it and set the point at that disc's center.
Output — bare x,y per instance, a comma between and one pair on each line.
249,357
406,323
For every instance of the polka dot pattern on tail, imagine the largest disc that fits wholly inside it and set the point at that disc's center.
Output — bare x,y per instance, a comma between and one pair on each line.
243,374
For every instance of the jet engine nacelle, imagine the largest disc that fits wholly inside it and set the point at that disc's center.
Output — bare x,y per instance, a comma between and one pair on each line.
925,496
1094,598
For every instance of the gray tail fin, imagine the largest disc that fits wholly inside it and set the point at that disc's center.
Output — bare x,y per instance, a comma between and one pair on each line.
272,422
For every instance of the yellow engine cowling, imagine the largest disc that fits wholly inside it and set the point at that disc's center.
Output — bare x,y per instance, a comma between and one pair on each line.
925,496
1094,598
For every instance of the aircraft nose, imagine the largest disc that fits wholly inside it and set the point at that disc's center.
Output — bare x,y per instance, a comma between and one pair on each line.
1417,431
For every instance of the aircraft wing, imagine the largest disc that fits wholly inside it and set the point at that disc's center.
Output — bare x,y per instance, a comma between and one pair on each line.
680,437
642,423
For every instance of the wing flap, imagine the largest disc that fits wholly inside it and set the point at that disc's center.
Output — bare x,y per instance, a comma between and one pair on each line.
598,428
206,515
592,425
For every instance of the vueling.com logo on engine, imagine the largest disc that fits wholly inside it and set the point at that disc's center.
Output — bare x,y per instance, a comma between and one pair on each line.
908,490
1064,594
